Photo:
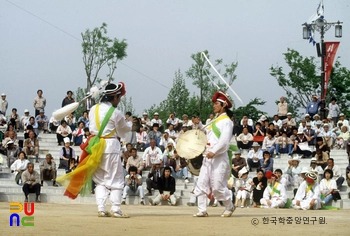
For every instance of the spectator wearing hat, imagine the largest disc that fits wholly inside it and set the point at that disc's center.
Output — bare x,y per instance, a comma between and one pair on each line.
316,118
245,139
66,153
282,109
154,134
63,131
31,146
313,105
284,145
145,121
342,138
238,163
10,151
39,102
343,120
337,176
327,135
269,142
266,164
3,104
48,170
258,184
292,172
330,122
186,122
168,154
308,194
254,156
68,99
89,102
290,120
274,195
243,186
333,110
316,169
318,128
184,129
24,119
42,121
337,129
285,128
310,134
158,121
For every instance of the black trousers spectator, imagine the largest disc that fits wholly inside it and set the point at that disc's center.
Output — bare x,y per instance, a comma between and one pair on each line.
340,182
60,138
53,127
305,153
282,117
253,164
151,184
27,188
242,145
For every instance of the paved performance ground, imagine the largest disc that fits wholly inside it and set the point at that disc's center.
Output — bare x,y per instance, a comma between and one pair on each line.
59,219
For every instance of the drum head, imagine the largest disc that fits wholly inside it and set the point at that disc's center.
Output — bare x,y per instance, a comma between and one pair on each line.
191,144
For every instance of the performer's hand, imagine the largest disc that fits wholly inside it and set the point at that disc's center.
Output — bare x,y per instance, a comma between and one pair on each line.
268,202
312,203
210,155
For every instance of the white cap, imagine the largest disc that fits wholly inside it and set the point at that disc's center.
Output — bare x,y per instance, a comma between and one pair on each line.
66,140
156,114
289,114
145,114
242,172
26,110
3,94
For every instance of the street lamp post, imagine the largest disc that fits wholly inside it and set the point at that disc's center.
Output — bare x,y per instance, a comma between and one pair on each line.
321,25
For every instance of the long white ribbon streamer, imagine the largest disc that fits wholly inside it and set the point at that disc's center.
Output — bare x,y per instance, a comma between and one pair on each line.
212,66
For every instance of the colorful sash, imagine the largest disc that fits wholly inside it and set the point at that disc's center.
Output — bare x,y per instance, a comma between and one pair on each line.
79,180
217,133
309,187
274,189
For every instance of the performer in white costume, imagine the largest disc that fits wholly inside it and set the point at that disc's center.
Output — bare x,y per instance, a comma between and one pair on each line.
109,176
308,194
275,195
216,165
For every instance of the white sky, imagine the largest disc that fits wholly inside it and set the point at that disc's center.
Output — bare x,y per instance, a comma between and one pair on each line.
161,36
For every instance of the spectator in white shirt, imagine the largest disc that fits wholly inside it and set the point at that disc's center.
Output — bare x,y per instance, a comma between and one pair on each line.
171,131
342,119
254,156
277,121
152,154
245,139
327,135
19,166
333,110
210,119
165,140
173,120
250,121
24,119
158,121
269,142
141,139
63,131
145,121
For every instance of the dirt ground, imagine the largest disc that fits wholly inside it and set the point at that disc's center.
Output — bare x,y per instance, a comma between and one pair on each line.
60,219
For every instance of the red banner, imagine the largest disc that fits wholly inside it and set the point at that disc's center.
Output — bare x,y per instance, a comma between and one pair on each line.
331,50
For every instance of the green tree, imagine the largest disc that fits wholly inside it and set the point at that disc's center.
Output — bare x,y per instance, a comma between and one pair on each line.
250,109
79,95
99,51
202,77
303,80
126,105
178,96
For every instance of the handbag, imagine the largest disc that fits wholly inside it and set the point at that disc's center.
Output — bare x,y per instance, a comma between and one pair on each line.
336,195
